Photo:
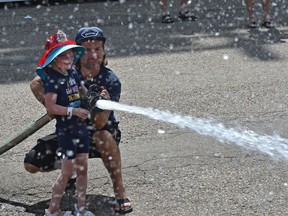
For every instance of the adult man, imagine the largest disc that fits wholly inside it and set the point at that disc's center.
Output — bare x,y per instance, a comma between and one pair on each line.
105,134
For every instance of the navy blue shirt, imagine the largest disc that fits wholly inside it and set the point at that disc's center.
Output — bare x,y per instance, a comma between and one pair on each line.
108,79
67,89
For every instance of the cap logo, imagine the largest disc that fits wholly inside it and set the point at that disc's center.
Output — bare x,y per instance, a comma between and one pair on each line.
90,33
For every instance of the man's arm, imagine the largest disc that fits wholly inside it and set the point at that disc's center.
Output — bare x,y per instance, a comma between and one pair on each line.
36,86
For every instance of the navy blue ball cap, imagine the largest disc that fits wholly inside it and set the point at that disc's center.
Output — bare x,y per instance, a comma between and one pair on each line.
89,33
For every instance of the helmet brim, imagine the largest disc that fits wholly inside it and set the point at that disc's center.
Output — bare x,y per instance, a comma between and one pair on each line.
79,52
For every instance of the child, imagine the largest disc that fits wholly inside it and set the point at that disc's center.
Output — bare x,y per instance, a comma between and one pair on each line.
62,100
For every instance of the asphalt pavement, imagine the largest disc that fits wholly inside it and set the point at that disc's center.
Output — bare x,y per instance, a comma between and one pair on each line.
213,68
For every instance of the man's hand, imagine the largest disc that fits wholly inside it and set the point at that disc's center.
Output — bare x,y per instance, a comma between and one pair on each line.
104,93
93,95
50,115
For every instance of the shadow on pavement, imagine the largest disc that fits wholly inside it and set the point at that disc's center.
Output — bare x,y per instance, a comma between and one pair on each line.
252,43
98,204
257,39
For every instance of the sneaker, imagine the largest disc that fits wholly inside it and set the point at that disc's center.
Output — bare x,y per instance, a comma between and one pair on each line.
268,24
252,25
83,212
187,15
167,19
58,213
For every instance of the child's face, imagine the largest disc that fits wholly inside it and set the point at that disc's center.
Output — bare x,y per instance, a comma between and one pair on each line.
64,61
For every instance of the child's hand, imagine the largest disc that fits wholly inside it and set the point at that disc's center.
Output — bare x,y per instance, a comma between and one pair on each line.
81,113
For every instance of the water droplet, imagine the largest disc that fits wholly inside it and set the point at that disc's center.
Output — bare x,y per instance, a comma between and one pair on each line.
225,57
130,26
28,17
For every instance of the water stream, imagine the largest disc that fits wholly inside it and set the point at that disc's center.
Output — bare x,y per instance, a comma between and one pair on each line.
275,146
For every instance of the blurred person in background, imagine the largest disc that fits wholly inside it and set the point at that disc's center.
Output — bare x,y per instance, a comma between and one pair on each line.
266,5
184,13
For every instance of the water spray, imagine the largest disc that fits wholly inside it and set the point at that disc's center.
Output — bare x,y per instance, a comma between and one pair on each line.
274,146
